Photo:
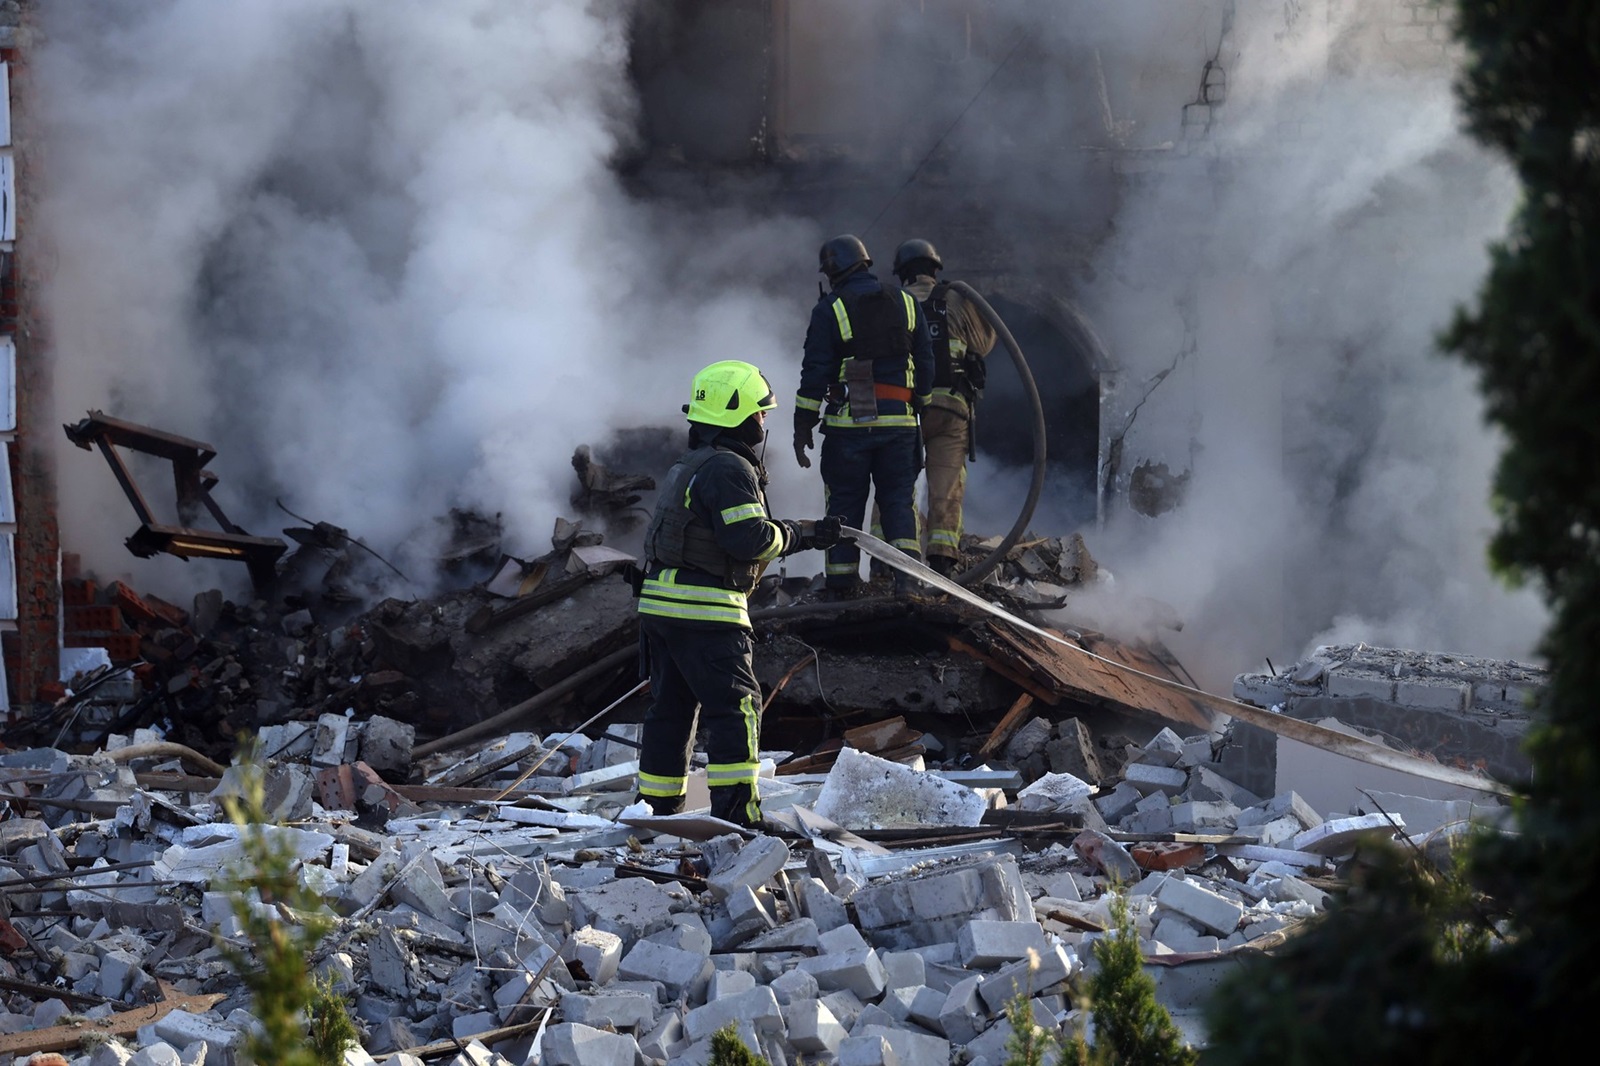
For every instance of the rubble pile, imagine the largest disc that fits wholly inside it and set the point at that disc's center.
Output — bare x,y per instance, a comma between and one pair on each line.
513,906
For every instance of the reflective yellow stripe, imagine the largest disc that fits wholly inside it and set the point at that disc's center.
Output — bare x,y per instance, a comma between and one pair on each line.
663,597
843,568
908,545
947,538
655,785
911,311
720,775
881,421
805,403
775,549
730,515
843,320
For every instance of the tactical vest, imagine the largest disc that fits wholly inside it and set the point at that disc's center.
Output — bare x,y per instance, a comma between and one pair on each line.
679,537
872,326
948,372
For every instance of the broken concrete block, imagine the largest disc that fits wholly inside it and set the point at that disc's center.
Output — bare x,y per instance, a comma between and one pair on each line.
182,1029
859,971
1206,784
964,1015
333,737
1119,802
800,935
757,1007
677,970
466,1026
1181,935
904,969
752,866
592,954
685,932
1030,976
794,985
1205,908
909,1046
1163,749
921,1005
1207,816
729,982
863,1050
1340,836
630,907
845,938
821,905
1055,792
391,966
1029,740
116,974
160,1053
1148,778
1075,752
570,1044
421,885
984,945
813,1028
386,744
611,1008
863,791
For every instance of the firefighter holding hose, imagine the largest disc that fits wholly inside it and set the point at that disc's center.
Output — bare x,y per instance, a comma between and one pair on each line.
707,544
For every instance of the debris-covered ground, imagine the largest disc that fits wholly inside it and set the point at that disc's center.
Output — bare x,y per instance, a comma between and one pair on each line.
950,797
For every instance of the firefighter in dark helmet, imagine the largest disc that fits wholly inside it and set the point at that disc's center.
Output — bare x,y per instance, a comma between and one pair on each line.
866,372
962,340
706,547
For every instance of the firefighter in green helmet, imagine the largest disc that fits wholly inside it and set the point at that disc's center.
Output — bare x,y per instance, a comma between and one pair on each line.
707,544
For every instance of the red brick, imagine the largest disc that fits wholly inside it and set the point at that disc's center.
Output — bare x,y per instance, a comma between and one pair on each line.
169,613
71,566
132,604
79,593
122,647
101,619
1166,855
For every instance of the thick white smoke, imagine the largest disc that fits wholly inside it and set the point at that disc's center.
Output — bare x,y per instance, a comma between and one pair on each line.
1341,465
374,252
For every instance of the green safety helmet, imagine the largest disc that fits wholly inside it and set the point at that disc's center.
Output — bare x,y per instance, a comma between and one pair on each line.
727,393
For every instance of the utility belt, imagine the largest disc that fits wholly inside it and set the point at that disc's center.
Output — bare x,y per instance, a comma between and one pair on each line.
838,393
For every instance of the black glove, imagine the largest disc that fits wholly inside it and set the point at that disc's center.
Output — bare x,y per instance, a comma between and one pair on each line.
822,534
803,440
827,532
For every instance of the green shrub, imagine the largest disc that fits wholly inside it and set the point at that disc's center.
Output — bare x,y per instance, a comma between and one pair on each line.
304,1022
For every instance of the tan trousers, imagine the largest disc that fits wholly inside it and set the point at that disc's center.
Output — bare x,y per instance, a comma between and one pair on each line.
944,439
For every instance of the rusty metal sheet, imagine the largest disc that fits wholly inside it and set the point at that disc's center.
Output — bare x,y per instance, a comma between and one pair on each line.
1083,678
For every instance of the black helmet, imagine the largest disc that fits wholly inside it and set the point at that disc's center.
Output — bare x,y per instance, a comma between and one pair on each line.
843,255
912,250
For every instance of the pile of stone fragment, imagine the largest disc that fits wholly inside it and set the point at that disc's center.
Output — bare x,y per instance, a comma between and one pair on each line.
564,925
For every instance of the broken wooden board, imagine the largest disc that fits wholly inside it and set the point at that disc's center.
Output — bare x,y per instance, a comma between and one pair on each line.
1056,672
127,1023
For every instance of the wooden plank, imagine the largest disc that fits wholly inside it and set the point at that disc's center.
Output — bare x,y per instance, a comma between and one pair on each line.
1082,677
128,1023
1009,724
1006,670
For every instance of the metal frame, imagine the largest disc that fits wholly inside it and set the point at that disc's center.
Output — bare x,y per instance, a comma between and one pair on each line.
192,482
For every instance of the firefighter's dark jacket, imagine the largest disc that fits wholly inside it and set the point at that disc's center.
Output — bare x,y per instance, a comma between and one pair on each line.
823,362
714,495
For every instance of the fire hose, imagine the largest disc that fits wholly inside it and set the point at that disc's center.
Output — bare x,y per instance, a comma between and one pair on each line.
977,573
1329,740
